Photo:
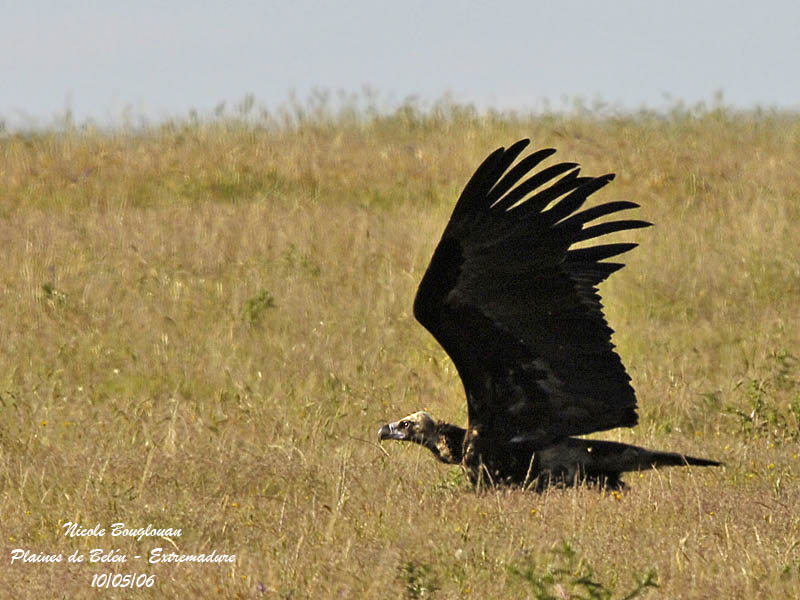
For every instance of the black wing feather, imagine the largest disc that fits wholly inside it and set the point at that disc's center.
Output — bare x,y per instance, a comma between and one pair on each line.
485,177
575,199
517,309
590,214
596,253
521,169
530,184
609,227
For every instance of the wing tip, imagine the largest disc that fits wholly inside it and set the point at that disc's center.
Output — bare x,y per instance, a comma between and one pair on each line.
521,144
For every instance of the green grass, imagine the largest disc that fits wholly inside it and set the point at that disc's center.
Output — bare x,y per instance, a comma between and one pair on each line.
204,324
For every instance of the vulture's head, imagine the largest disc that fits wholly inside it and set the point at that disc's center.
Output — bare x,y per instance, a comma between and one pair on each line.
419,428
444,440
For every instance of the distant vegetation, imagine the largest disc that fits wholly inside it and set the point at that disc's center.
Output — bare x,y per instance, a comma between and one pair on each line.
205,321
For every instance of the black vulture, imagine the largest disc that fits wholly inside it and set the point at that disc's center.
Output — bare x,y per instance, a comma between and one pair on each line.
516,308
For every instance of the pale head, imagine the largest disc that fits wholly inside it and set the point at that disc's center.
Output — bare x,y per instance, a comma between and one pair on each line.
418,427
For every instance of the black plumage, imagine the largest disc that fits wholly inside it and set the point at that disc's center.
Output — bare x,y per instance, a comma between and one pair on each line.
516,308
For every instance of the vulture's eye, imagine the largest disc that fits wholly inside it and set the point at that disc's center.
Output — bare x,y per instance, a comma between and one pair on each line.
404,424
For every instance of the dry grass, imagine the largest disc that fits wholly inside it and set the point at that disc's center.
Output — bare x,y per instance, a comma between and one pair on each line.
204,324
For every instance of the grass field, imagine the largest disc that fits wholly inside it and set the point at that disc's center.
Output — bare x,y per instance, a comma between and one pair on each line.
204,323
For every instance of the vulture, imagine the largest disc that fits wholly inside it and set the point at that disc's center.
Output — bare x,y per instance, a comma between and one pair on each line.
515,305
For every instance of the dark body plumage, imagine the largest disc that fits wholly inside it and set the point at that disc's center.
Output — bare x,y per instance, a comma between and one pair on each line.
516,308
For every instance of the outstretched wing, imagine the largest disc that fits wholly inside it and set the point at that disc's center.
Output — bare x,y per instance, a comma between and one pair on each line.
517,309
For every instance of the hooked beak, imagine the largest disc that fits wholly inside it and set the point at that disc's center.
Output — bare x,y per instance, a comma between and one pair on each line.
389,432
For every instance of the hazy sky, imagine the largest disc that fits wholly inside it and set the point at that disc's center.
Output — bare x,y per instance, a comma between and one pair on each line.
163,58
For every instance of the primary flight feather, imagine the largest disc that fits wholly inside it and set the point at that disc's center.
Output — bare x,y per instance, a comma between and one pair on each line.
516,308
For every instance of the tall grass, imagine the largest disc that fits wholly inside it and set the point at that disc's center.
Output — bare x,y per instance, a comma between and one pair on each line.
204,323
